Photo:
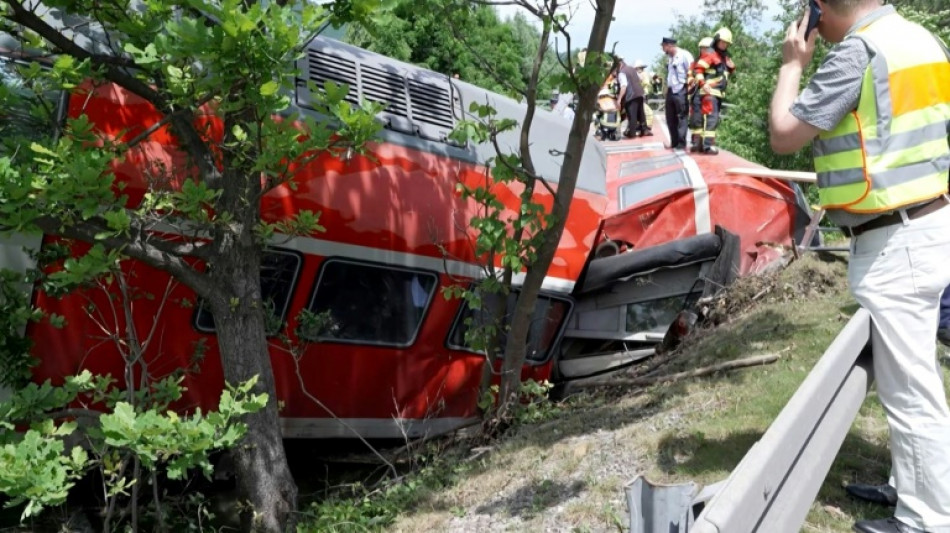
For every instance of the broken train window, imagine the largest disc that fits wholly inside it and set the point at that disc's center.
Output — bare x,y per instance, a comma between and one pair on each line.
547,321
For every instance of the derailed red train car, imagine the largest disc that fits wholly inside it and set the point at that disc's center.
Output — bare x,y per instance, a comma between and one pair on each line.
392,361
678,227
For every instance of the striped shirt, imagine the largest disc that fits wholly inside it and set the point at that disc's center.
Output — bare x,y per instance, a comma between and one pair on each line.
677,70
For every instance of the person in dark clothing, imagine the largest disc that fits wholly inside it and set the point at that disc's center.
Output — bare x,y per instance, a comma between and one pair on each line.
630,99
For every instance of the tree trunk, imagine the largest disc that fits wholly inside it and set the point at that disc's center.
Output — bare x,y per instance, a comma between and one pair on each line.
263,476
516,347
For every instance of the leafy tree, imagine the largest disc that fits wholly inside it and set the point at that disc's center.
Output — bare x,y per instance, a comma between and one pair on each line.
217,74
933,15
131,445
528,242
529,38
464,38
733,13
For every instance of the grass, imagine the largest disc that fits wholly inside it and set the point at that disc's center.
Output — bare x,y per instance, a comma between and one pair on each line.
568,473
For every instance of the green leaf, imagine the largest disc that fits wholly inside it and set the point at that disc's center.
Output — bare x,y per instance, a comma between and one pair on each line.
40,149
269,88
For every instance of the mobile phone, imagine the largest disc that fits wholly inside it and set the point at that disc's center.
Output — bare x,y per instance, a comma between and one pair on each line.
814,17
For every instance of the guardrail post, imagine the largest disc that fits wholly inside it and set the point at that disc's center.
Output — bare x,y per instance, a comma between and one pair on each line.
658,507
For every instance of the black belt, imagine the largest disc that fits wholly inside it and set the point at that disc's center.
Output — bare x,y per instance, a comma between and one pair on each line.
895,217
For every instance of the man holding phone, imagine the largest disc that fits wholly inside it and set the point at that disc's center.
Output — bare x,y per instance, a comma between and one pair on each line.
877,110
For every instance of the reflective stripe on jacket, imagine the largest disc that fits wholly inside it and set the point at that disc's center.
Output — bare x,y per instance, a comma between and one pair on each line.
710,72
892,150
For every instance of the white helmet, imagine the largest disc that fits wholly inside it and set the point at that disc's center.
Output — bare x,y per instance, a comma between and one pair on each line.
639,64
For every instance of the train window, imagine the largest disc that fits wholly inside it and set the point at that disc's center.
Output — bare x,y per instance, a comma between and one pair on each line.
546,324
638,191
279,272
648,165
656,315
29,110
369,304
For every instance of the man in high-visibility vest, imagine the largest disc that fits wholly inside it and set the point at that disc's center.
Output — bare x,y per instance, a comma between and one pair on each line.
878,109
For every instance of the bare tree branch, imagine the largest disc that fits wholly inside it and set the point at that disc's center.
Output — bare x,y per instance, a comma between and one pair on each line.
159,254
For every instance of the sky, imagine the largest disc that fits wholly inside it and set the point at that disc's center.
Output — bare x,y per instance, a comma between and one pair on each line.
638,25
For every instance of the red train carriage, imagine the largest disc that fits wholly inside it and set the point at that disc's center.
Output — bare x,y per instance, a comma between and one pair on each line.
678,227
391,359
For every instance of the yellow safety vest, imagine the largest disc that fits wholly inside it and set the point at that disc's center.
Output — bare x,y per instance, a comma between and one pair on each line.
892,150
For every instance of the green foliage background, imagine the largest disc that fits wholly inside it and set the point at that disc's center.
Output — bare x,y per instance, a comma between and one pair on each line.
469,40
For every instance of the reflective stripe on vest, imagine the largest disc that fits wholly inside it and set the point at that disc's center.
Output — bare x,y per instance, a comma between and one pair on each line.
892,150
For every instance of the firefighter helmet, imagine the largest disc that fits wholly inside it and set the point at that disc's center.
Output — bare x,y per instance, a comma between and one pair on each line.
724,35
705,42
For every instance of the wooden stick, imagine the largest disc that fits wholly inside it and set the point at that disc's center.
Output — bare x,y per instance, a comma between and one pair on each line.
787,175
757,360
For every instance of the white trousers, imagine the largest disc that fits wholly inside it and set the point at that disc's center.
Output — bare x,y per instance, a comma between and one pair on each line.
898,273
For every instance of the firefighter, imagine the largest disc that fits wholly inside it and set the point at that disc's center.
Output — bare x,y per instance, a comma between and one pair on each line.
697,113
711,73
721,43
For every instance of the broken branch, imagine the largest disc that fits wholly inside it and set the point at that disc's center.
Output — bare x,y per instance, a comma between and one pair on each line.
757,360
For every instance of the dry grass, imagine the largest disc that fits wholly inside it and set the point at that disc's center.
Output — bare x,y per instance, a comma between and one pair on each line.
568,474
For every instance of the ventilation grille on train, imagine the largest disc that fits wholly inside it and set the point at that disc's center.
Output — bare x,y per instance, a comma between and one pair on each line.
411,104
323,67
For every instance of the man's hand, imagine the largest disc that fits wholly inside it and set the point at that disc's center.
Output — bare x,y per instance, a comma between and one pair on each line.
796,50
787,132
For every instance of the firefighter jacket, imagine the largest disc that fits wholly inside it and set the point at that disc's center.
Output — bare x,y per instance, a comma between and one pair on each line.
892,150
711,72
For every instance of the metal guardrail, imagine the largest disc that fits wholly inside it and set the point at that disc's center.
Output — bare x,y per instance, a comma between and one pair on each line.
776,482
773,487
